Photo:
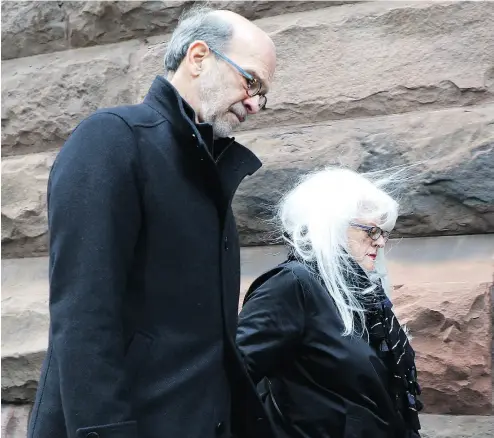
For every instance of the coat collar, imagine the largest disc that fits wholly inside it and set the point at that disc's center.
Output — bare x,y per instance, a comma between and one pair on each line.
233,160
354,276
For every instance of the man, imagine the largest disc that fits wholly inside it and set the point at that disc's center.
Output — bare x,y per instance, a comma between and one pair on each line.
144,253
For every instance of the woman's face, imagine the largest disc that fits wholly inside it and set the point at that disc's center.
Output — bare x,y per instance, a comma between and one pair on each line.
362,247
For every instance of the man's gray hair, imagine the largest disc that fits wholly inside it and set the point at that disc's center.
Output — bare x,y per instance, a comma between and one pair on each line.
198,23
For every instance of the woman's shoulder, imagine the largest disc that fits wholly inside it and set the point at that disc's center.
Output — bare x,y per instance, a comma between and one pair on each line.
288,277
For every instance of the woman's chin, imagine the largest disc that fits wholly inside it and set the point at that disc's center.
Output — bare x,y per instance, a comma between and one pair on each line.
368,264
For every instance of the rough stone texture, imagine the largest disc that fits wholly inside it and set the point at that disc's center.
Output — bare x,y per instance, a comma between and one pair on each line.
24,219
451,191
369,59
457,426
418,260
44,97
25,323
14,420
14,424
379,58
452,335
33,27
450,321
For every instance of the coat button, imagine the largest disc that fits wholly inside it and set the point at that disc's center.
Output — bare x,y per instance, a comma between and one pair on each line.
220,428
92,435
225,244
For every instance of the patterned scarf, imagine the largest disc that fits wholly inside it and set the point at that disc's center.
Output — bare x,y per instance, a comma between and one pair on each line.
390,341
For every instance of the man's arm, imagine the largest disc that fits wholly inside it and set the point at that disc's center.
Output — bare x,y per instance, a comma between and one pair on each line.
94,219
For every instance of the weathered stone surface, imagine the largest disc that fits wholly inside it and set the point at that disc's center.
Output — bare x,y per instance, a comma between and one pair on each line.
25,322
33,27
24,218
452,335
368,59
44,97
457,426
25,314
450,192
14,424
24,221
14,420
457,259
379,58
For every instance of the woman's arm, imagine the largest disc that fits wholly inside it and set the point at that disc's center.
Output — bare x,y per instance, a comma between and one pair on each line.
271,323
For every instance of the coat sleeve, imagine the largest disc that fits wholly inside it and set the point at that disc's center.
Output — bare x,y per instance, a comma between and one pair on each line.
94,219
271,324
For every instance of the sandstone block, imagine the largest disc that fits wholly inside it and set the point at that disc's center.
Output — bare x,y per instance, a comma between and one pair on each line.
14,420
368,59
25,324
24,218
33,27
452,335
456,426
14,424
449,317
45,97
450,192
379,58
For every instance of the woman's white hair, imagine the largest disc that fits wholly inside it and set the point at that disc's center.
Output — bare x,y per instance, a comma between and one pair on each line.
315,216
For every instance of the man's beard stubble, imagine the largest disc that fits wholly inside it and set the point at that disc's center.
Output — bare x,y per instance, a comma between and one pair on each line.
213,106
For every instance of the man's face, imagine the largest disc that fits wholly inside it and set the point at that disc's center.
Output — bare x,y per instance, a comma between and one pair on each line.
221,101
223,90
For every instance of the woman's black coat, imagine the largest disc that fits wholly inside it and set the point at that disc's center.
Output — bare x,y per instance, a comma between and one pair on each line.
316,382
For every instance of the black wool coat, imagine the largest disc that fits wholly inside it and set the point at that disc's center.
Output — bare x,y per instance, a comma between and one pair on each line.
144,280
315,383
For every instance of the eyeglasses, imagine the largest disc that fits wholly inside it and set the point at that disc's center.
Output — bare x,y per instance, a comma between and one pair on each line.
373,232
254,85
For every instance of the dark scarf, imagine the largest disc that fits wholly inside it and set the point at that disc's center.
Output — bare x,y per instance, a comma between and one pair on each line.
389,340
391,343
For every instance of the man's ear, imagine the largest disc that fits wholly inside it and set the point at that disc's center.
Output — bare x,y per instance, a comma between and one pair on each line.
197,52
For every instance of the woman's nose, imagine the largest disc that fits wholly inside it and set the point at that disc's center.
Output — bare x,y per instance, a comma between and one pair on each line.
381,242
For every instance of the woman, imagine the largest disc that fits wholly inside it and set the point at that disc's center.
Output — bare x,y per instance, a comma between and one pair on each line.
317,332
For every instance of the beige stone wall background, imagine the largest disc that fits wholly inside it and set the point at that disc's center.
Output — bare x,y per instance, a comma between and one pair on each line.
366,84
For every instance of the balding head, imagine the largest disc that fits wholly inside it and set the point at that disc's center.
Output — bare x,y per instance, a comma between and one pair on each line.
215,59
249,39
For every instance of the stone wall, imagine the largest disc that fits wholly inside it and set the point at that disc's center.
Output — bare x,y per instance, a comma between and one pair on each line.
366,84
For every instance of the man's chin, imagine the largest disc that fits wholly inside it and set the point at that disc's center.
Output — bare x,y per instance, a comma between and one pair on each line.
225,128
222,133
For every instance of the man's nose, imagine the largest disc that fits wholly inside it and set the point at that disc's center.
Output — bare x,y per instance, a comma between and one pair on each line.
251,104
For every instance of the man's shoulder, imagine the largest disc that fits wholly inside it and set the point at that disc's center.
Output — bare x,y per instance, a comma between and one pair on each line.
134,115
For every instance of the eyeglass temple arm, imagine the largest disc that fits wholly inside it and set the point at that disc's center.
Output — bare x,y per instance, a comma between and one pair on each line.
226,59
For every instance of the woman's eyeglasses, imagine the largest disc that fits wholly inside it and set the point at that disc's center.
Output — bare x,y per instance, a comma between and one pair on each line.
373,232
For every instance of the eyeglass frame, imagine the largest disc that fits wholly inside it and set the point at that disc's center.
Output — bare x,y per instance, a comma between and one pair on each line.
250,78
384,234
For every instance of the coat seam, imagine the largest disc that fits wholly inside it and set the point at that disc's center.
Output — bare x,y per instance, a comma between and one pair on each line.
35,419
